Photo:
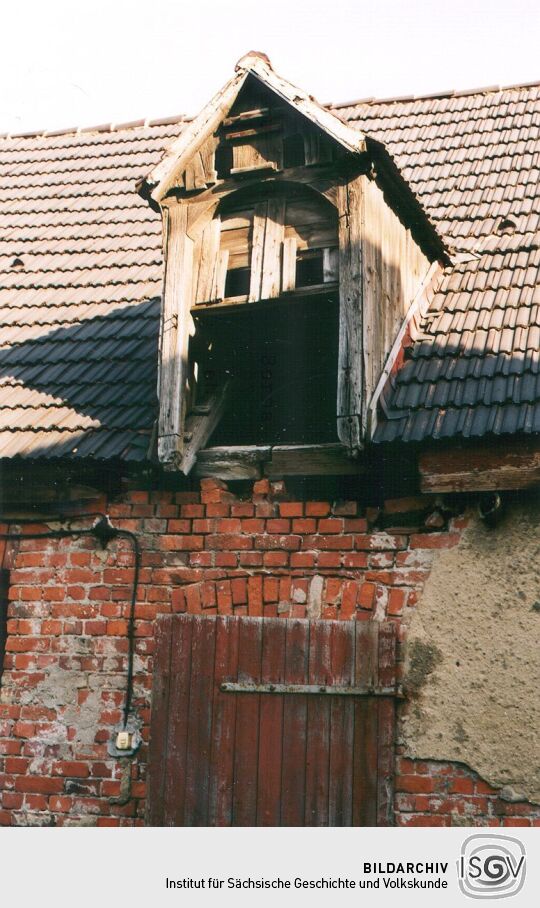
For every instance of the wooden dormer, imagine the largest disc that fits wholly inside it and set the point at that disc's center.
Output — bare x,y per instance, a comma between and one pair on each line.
268,201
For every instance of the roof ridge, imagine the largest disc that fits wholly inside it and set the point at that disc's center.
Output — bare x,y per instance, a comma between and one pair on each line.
329,105
102,127
447,93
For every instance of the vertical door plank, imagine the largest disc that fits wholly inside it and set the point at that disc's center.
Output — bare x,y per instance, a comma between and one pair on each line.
351,350
273,241
318,726
295,726
271,724
178,715
257,250
175,328
365,728
159,720
200,721
210,241
341,726
288,281
223,725
247,725
386,725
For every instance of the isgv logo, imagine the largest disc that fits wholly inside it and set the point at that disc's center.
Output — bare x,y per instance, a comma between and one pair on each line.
491,866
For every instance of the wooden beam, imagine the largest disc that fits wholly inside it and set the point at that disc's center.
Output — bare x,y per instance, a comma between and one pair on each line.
200,424
232,463
512,464
208,261
257,250
312,460
350,370
175,324
273,240
289,264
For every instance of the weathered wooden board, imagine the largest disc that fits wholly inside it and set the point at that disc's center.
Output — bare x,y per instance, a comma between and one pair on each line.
512,464
175,327
350,365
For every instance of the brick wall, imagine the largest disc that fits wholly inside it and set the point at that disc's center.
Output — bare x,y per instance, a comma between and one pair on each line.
63,685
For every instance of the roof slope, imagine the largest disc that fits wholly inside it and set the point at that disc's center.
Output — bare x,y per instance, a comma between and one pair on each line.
80,257
474,161
79,313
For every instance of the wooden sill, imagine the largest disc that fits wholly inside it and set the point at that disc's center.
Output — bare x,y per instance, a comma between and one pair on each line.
289,296
233,462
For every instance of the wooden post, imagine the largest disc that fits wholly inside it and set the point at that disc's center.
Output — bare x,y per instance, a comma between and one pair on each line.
175,321
350,377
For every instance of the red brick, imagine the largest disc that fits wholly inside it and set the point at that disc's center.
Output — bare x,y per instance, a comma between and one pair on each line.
355,525
329,559
192,510
261,487
278,525
289,543
181,526
229,542
291,508
330,525
239,590
252,525
327,542
255,597
317,508
366,596
302,560
270,589
226,559
242,509
251,559
117,628
38,784
181,543
348,599
304,525
396,601
434,540
461,786
415,783
275,559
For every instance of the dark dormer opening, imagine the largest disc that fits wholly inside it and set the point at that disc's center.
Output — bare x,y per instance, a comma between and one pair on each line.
294,153
309,268
223,161
237,282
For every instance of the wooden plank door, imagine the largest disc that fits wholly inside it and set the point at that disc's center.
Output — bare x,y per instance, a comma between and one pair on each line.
272,722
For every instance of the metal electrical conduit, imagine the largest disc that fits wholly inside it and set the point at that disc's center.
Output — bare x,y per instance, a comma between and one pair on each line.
103,531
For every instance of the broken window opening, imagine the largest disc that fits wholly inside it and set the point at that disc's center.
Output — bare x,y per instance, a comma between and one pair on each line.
309,268
281,362
223,161
237,282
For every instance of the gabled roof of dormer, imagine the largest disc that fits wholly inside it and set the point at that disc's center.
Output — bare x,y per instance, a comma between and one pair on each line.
255,65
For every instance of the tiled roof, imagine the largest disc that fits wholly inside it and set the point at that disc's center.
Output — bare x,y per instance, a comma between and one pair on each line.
80,256
474,161
80,265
